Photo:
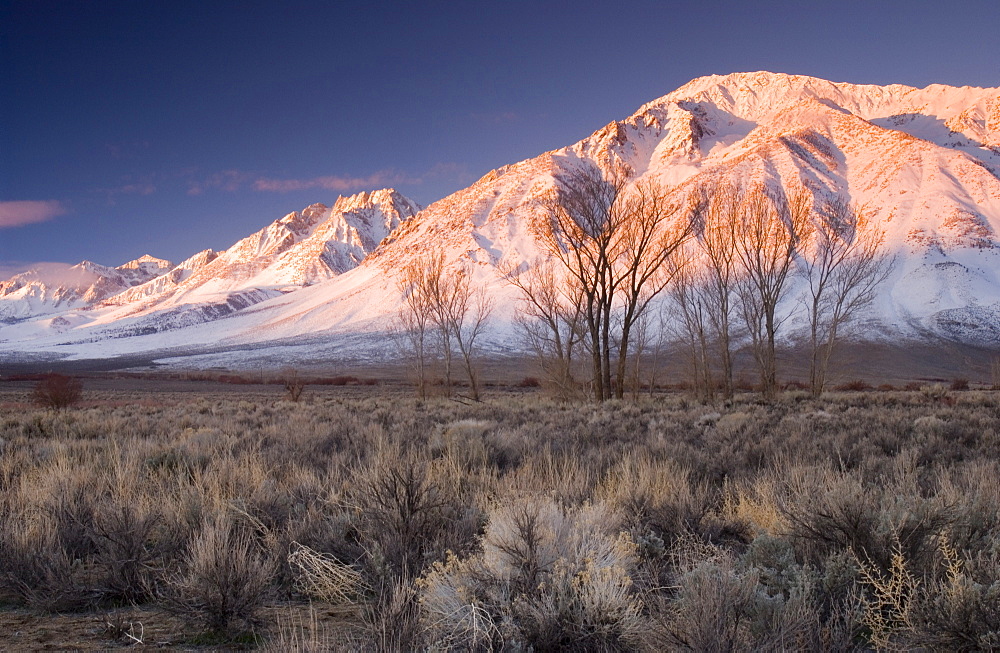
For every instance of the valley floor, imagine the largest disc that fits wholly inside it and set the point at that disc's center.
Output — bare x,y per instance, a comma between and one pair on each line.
195,515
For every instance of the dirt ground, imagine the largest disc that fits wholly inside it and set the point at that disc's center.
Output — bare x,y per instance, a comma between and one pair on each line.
24,630
896,363
298,626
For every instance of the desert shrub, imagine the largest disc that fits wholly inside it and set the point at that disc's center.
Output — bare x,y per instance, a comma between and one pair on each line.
391,619
959,384
973,491
224,578
57,391
339,380
127,555
563,476
463,442
658,495
402,515
929,425
722,605
295,632
68,497
936,394
548,578
959,610
773,507
829,512
36,566
955,607
856,385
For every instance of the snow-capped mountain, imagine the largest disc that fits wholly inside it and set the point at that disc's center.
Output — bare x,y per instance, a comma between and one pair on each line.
54,289
300,249
924,162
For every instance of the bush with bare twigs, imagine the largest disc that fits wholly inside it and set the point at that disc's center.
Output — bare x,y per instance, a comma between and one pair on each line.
57,391
224,578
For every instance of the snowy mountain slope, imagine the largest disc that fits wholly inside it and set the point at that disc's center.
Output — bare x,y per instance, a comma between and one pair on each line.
46,291
300,249
934,191
924,162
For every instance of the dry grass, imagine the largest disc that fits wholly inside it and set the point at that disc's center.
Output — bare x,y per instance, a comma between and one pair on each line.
863,519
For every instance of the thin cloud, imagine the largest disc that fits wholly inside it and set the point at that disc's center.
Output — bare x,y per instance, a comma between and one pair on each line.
339,184
10,269
495,118
235,180
227,180
16,214
130,185
449,171
138,188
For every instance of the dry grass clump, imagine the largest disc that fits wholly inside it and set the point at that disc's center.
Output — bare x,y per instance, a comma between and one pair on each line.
724,603
322,577
547,578
223,579
855,521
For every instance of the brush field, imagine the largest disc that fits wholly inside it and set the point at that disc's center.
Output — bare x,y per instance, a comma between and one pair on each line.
366,519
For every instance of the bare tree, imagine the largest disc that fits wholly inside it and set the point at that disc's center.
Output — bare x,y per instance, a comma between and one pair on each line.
441,304
550,319
294,384
844,267
463,315
716,213
658,344
414,323
584,222
647,349
654,234
57,391
768,236
613,242
439,290
691,294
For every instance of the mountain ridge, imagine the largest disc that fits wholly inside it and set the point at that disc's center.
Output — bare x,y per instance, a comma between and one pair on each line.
925,163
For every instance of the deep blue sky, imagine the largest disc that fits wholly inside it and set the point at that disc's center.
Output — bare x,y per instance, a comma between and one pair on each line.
166,127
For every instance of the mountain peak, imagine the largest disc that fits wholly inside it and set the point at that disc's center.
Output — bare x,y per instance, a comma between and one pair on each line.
368,199
925,163
146,261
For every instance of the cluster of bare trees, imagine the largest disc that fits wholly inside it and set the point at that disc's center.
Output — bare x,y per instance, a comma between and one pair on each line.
726,258
442,318
737,275
750,242
725,255
609,249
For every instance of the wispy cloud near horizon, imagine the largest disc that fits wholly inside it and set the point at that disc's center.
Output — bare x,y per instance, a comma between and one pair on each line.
20,213
232,181
227,180
142,187
339,184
